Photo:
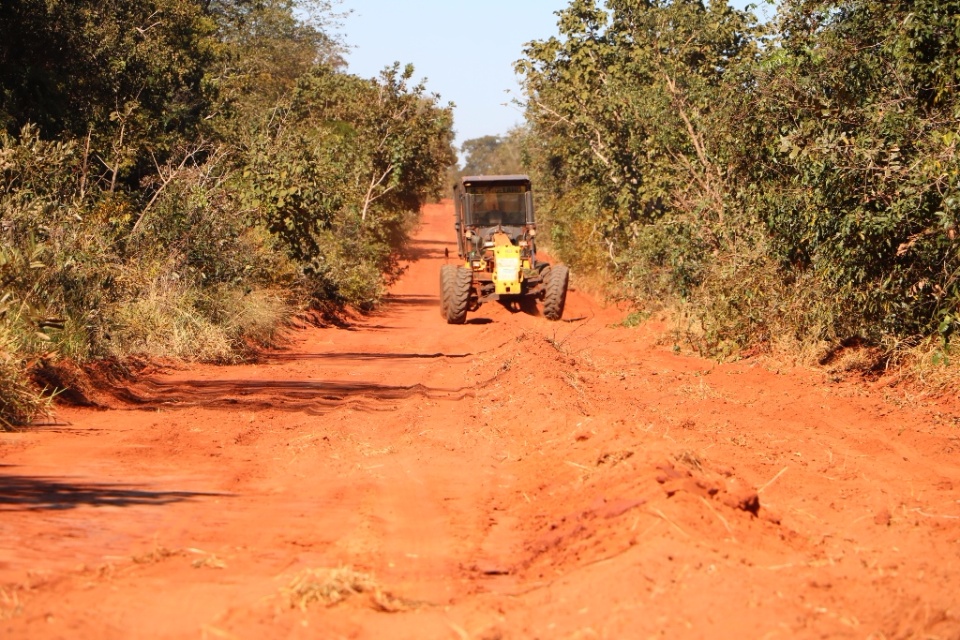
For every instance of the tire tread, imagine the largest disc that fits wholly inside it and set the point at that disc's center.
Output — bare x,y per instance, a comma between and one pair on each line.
556,278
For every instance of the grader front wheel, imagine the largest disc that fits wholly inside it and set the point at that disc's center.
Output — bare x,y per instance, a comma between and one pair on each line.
455,283
556,280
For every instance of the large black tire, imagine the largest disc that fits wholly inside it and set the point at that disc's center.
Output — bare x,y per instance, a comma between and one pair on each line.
556,279
448,275
455,284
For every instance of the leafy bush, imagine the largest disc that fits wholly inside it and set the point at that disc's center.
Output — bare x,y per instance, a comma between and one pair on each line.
338,171
797,181
861,182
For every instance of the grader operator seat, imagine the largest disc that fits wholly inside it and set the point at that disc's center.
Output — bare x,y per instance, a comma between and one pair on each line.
488,213
493,212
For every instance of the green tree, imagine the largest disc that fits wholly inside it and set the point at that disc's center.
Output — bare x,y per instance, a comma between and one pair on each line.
851,138
129,75
340,170
492,155
621,108
808,187
265,47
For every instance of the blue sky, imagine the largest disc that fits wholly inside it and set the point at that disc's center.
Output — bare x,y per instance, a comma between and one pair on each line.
464,48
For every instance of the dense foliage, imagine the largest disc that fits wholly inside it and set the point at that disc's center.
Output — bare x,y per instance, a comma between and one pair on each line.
177,175
797,180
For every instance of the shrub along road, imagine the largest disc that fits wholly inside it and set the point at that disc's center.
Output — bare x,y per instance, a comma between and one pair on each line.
509,478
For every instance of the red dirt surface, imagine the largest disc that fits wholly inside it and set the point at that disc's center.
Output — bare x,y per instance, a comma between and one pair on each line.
509,478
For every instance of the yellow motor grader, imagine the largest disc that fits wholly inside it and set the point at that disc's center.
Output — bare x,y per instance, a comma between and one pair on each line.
496,242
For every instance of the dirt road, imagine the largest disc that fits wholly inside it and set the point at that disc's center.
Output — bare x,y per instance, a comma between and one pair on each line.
509,478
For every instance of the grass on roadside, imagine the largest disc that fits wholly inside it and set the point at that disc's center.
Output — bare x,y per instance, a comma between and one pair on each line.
20,402
173,321
932,365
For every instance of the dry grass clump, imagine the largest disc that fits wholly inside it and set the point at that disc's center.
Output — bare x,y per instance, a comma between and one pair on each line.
857,360
932,365
258,316
328,587
20,403
170,320
157,554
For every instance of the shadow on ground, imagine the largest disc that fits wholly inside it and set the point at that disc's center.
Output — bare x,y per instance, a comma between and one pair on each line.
31,493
